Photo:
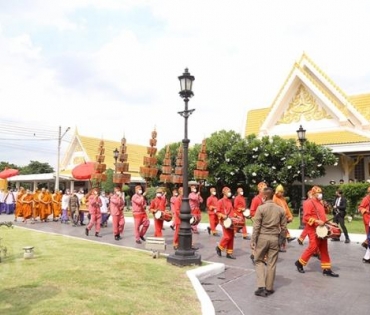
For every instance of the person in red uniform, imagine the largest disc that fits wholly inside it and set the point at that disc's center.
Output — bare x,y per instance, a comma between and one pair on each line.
94,210
364,209
158,204
224,210
195,199
280,200
174,196
116,206
314,216
141,221
257,200
240,204
212,215
176,217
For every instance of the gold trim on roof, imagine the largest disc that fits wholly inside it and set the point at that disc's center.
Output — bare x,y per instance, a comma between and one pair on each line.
303,104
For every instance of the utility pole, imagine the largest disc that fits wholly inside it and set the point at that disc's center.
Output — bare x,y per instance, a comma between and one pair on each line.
60,137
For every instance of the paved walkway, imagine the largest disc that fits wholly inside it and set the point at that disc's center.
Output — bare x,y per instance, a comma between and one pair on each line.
232,291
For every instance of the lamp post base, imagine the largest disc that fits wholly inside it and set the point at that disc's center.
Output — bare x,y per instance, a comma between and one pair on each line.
187,258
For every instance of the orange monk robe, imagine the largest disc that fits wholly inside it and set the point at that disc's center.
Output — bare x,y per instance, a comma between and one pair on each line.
45,204
281,201
57,204
19,205
36,204
27,205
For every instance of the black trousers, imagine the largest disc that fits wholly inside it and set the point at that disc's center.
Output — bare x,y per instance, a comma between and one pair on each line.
339,219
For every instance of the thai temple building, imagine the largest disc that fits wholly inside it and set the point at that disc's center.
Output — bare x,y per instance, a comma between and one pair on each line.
308,97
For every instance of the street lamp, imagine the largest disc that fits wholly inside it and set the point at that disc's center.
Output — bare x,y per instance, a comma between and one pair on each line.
60,137
302,139
185,255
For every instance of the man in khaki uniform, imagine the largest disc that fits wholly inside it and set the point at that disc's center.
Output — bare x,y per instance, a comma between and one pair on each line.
269,223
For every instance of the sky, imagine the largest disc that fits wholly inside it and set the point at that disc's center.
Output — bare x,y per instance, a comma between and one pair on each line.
110,68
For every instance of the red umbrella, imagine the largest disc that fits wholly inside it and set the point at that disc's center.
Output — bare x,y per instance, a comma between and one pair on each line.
83,170
8,172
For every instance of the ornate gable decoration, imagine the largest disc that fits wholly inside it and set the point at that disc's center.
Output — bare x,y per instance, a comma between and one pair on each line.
303,104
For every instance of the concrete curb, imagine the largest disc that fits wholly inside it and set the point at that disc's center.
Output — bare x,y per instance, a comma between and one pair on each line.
201,273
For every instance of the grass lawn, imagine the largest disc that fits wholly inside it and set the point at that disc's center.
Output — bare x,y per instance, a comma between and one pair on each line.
69,276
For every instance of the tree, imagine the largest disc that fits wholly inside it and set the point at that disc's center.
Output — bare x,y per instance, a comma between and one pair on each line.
277,160
4,165
225,158
36,167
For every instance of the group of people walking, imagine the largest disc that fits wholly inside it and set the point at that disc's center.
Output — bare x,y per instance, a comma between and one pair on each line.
268,210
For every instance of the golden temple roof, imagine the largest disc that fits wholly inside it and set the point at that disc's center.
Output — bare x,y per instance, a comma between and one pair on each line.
362,103
135,152
335,137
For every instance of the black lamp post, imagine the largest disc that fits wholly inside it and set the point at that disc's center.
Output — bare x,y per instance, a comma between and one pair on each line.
302,139
115,155
185,255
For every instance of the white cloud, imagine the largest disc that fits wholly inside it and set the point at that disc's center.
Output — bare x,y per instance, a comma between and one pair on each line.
240,54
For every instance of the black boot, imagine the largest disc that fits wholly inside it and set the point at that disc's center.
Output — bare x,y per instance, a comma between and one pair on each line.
97,234
329,273
299,267
261,292
87,232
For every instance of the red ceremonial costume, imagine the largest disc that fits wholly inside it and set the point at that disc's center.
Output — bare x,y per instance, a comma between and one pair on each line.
116,206
212,215
364,209
94,210
240,204
257,200
176,218
141,220
224,210
313,210
158,204
195,200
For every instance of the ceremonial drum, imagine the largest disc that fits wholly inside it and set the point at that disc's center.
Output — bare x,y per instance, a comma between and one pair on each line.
247,213
163,215
238,222
329,230
194,220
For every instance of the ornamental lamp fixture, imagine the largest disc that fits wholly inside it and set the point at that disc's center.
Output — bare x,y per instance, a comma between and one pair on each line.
186,84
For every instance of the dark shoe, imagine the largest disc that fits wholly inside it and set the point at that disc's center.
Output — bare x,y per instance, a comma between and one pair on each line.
252,258
269,292
366,261
87,232
218,251
329,273
138,242
143,238
261,292
300,242
209,230
216,234
82,224
363,244
172,227
335,239
282,250
246,238
230,256
291,239
194,248
299,267
97,235
116,237
347,241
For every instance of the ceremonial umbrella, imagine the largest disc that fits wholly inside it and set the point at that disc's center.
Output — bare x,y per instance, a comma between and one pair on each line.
83,171
8,172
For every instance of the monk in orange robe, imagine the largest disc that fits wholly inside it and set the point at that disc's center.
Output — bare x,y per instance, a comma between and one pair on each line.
27,205
18,204
45,204
36,205
57,204
280,200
